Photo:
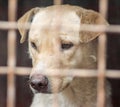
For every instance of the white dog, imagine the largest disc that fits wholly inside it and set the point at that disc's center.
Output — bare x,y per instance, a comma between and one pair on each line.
59,43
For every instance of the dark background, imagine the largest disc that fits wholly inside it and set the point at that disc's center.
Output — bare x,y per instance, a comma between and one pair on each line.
23,93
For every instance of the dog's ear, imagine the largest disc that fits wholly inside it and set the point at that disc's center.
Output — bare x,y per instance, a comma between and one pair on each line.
93,18
26,18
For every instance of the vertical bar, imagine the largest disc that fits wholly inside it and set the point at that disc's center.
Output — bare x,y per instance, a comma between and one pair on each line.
55,102
57,2
101,71
12,7
103,6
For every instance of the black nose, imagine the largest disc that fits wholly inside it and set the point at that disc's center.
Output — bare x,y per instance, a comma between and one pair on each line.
39,83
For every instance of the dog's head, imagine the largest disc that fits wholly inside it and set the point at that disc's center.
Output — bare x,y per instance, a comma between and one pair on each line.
57,42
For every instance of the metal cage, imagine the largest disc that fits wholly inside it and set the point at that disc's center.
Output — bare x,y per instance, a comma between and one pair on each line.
12,70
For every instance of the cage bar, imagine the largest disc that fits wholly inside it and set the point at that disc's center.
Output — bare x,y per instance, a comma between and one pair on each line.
84,27
55,100
57,2
23,71
12,7
102,72
103,6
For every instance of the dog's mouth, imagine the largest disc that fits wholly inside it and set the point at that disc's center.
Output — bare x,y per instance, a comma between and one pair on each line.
46,90
40,84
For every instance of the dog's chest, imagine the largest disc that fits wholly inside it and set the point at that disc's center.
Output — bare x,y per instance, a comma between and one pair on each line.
42,100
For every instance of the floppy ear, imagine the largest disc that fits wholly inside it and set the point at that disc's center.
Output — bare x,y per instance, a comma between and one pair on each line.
93,18
26,18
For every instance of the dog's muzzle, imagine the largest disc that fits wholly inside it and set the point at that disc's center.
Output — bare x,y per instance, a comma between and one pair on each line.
39,83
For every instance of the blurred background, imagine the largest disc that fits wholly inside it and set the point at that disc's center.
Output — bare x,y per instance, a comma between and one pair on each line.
23,93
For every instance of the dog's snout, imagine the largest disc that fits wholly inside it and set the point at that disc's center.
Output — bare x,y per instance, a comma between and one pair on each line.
39,83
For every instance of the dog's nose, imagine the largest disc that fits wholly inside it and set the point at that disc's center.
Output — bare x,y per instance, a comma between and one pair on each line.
39,83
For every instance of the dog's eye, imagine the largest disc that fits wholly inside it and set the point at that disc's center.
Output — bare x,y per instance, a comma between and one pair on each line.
66,46
33,45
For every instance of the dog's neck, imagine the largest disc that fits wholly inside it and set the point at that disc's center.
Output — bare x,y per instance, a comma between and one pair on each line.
73,96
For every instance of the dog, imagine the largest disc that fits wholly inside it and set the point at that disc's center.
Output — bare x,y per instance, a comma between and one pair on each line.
59,43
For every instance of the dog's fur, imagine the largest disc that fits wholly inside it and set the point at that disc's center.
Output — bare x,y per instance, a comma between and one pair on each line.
58,43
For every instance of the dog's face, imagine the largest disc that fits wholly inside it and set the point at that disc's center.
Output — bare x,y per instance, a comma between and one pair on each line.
58,43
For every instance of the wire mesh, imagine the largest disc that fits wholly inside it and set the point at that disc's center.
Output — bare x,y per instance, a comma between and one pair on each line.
12,7
103,6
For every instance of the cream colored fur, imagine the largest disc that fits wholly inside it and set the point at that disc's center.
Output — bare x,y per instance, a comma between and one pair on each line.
59,25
